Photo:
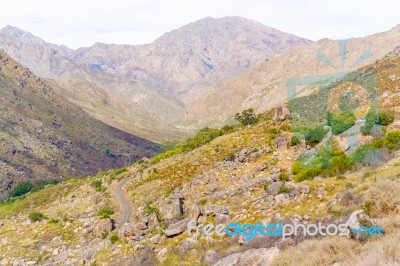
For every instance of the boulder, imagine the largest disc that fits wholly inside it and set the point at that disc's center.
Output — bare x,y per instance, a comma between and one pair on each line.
185,245
172,209
210,257
193,211
102,226
273,188
281,198
304,189
152,220
281,113
359,218
254,257
177,228
221,218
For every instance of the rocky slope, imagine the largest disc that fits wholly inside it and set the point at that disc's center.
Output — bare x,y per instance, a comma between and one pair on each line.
44,136
265,86
150,82
246,175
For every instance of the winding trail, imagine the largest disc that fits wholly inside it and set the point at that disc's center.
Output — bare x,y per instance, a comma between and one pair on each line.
126,208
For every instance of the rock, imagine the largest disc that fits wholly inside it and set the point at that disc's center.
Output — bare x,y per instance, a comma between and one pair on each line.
161,254
155,239
357,218
254,257
1,223
55,252
273,188
141,226
193,211
397,211
152,220
173,209
177,228
221,218
318,178
282,198
210,257
285,243
304,189
102,226
4,262
126,230
185,245
274,170
281,113
331,202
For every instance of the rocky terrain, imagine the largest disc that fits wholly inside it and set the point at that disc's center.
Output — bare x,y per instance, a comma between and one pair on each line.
142,89
43,136
251,173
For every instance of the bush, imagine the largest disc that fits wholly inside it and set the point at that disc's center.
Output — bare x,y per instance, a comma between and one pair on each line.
114,237
97,185
284,176
385,119
21,189
248,117
36,216
294,141
372,119
314,136
341,121
105,213
283,189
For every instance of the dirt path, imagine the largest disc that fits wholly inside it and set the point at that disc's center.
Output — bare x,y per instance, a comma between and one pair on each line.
126,208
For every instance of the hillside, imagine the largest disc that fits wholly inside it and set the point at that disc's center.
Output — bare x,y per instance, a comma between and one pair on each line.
153,82
45,137
244,174
265,85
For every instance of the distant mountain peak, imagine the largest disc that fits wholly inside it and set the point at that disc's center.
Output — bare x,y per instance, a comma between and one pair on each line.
21,35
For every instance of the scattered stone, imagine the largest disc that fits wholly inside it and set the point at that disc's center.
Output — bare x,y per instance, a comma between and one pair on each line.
210,257
273,188
102,226
185,245
281,198
177,228
259,257
193,211
304,189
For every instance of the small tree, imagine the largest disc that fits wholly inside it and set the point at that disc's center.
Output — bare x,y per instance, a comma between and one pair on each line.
248,117
21,189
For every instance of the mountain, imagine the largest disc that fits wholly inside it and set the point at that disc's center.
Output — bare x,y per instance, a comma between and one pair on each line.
44,136
265,85
152,82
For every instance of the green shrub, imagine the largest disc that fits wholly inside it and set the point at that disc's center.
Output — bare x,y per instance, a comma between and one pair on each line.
247,117
284,176
97,185
114,237
294,141
105,213
36,216
385,119
341,121
314,136
283,189
21,189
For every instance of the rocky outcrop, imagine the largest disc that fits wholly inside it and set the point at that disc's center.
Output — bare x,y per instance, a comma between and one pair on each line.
253,257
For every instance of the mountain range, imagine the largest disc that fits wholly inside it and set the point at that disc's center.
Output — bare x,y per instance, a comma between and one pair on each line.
143,89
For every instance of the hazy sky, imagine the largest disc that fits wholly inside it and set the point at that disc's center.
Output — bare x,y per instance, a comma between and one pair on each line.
79,23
